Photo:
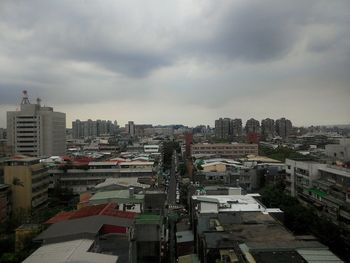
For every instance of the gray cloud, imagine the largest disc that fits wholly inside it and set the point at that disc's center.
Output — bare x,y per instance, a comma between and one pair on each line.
208,54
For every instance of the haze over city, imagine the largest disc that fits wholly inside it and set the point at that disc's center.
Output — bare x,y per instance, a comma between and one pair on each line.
186,62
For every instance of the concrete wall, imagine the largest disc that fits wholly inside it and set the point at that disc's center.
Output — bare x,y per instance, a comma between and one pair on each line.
214,167
22,191
48,128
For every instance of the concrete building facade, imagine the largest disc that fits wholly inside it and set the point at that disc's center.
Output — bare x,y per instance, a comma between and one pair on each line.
5,202
29,182
339,151
252,126
228,129
223,128
236,128
35,130
130,128
268,129
284,127
224,150
90,128
300,175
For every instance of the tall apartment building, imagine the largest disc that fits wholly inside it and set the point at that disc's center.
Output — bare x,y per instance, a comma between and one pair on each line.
252,126
236,127
226,150
284,127
90,128
2,133
228,129
35,130
130,128
29,182
223,128
268,129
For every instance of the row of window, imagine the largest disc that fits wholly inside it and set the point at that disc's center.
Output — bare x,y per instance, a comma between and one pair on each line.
224,148
220,152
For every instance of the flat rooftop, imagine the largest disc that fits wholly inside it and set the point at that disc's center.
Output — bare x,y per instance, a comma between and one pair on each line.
234,203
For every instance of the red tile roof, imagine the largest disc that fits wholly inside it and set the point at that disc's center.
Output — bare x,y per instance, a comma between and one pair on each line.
103,209
65,215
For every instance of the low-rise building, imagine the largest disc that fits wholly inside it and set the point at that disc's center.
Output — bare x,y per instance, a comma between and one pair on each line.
339,151
300,175
238,228
29,182
225,150
323,187
91,234
147,239
331,194
81,179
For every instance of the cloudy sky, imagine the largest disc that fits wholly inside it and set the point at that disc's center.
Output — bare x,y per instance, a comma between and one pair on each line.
183,61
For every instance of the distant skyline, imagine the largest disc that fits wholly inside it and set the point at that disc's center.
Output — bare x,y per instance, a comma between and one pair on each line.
186,62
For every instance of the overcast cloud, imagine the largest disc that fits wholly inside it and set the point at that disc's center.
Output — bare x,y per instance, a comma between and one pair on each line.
184,61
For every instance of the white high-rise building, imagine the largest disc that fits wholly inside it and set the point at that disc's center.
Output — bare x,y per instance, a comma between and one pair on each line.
35,130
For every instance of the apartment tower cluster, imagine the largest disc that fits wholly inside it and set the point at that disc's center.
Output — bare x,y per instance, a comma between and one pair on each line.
232,129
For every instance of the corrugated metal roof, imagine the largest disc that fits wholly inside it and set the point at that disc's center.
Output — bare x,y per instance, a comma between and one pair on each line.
81,227
70,251
116,195
318,255
102,209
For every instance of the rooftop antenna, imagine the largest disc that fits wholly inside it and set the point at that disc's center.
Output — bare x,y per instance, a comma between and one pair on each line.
25,99
38,101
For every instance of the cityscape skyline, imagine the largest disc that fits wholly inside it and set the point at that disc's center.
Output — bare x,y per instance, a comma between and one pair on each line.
122,121
182,62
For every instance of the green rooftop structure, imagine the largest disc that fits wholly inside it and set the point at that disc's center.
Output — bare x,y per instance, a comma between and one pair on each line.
148,219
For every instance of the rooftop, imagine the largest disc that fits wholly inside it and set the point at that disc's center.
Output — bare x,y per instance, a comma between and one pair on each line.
224,160
234,203
192,258
148,219
318,256
123,181
218,163
290,256
256,158
122,196
102,209
70,251
184,236
136,163
80,228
